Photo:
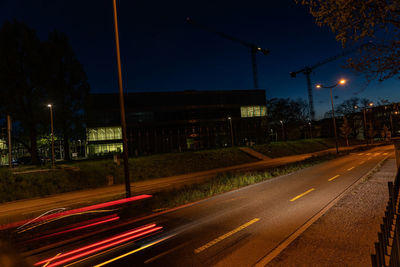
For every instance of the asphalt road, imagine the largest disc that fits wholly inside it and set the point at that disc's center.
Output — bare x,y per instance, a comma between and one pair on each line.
30,208
241,227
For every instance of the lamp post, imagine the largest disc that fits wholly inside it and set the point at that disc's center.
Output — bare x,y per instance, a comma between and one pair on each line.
122,106
230,123
283,131
365,119
341,82
391,122
9,141
52,135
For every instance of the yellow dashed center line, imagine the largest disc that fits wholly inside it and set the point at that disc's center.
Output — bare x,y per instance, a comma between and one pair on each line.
333,178
130,252
385,154
222,237
362,162
349,169
303,194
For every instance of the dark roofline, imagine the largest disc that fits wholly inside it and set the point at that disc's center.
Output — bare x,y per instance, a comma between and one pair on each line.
188,92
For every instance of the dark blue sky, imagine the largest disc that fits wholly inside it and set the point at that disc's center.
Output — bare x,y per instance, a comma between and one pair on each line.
160,52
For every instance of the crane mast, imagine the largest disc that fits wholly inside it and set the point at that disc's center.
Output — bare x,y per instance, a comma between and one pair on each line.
254,49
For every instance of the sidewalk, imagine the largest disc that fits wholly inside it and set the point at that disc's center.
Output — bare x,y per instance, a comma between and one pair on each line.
345,235
25,209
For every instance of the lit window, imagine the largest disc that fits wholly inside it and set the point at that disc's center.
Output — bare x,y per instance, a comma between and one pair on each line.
105,133
253,111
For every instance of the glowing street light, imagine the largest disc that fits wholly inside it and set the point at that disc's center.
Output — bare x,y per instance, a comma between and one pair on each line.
52,135
230,122
283,131
341,82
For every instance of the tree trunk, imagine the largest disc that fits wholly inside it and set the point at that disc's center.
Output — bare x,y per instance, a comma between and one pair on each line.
66,147
33,150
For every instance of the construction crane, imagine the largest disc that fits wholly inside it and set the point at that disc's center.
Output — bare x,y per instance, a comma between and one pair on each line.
253,47
309,69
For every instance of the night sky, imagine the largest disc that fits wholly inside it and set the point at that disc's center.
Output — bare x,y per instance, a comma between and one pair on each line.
160,52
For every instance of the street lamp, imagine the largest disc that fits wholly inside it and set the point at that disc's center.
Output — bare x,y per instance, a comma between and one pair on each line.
283,132
365,119
122,106
230,123
52,135
341,82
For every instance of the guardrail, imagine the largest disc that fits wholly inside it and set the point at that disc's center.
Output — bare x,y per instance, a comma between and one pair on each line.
387,249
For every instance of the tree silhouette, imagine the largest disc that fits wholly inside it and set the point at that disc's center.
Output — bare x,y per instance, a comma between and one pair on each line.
22,76
34,73
67,87
345,130
363,21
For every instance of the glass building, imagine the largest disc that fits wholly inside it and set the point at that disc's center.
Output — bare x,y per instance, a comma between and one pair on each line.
176,121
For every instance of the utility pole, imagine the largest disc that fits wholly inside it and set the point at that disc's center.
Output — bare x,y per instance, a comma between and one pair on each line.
52,136
9,141
365,125
230,122
122,106
334,124
341,82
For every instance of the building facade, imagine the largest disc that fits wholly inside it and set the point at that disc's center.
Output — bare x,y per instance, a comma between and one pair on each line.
176,121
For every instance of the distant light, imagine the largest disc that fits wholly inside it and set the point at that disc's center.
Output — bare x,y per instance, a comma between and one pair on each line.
259,48
371,104
396,112
342,81
318,86
229,118
356,107
49,105
281,122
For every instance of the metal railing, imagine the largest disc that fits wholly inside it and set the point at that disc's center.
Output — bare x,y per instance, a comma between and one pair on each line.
387,249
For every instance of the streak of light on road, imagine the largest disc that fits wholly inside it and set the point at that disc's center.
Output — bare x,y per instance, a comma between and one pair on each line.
77,211
80,226
133,251
101,245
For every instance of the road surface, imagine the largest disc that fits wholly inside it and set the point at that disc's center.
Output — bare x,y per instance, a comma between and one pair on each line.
239,228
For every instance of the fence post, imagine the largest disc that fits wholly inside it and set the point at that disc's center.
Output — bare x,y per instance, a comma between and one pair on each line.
374,260
397,151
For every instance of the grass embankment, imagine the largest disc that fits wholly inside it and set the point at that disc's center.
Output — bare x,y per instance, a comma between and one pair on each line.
288,148
226,182
93,173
